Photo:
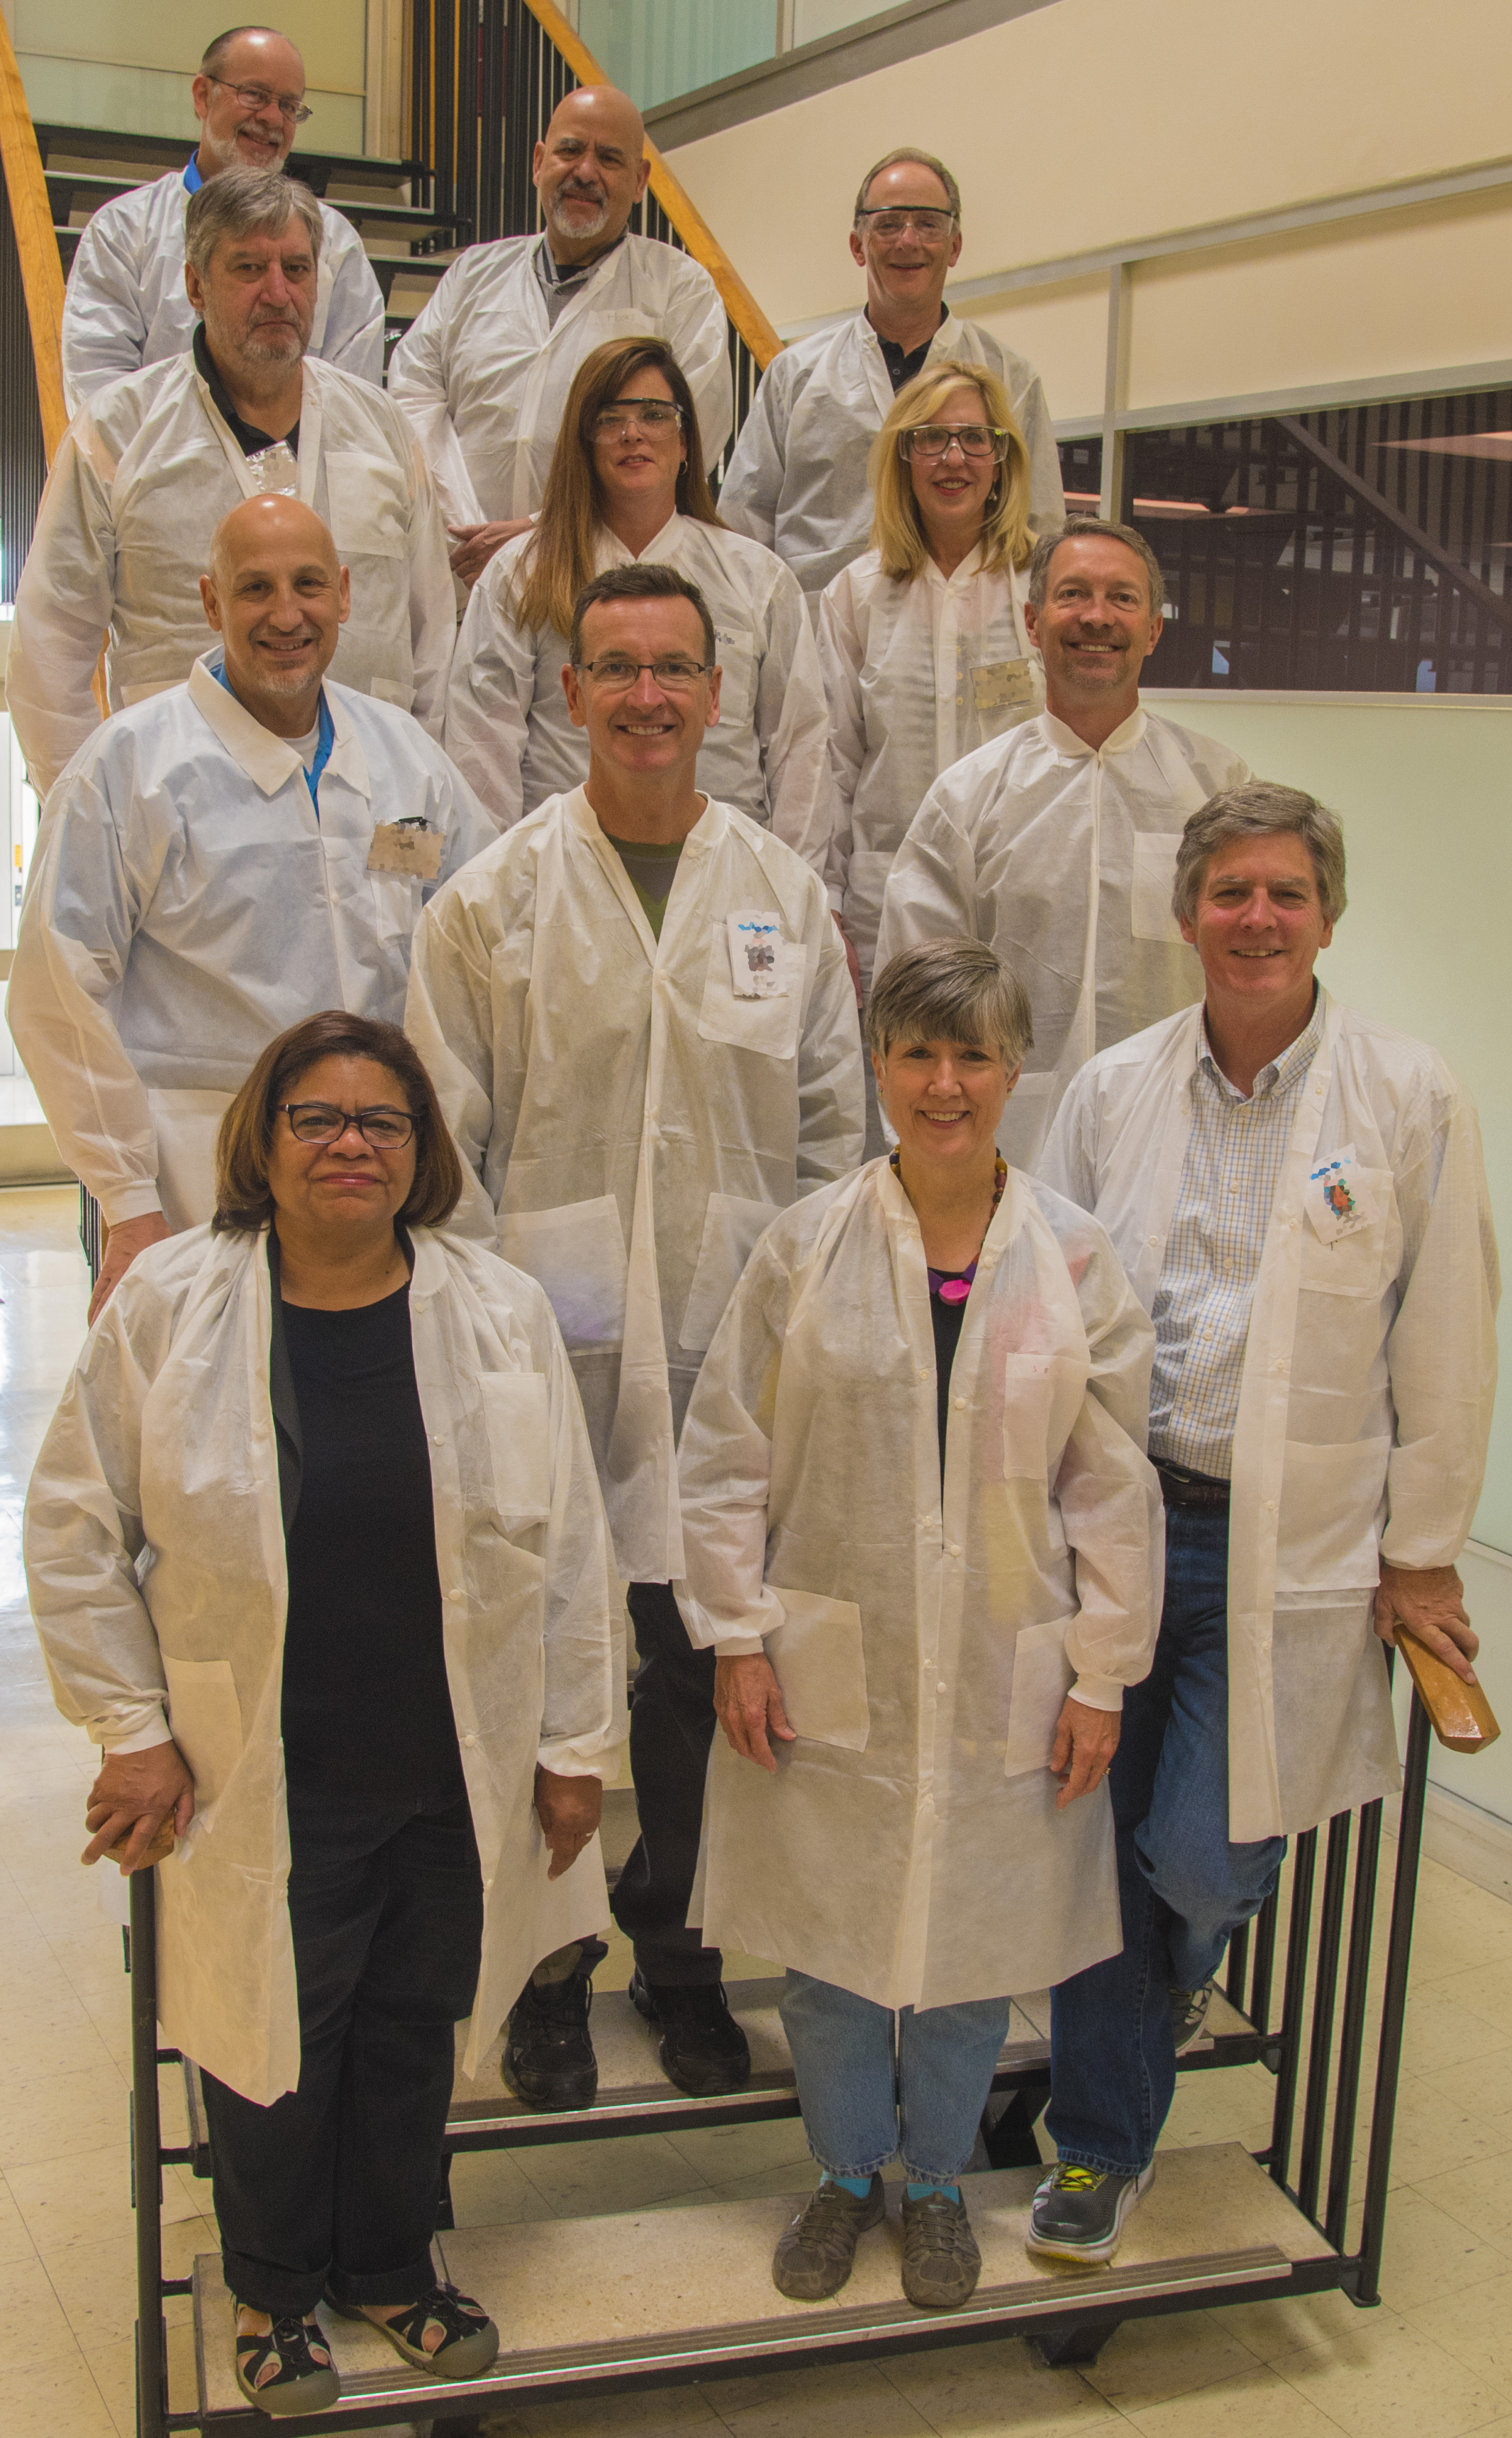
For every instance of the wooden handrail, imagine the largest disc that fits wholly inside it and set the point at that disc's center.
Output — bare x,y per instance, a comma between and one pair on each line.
681,211
42,270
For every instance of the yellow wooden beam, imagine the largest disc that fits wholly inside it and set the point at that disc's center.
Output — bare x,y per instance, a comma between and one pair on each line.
41,272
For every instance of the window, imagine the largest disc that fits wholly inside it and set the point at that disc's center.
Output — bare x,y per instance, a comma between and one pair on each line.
1355,549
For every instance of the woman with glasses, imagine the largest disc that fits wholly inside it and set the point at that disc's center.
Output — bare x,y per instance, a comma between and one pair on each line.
316,1551
627,484
922,640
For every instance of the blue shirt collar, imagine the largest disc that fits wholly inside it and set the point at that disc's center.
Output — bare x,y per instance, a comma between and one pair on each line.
192,179
325,742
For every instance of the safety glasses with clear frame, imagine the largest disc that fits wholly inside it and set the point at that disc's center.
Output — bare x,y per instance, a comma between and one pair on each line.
651,414
930,440
889,221
317,1121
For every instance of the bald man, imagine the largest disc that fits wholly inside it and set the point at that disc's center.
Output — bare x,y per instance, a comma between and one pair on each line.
484,372
217,862
127,304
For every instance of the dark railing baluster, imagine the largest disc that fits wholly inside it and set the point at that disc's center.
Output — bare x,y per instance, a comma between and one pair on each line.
1393,2004
1293,2002
1352,2025
1326,1983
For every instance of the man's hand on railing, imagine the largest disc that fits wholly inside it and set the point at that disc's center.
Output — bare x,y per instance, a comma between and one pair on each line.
1430,1603
476,545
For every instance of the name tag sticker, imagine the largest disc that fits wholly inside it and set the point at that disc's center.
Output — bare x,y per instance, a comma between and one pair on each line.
409,847
1002,686
1337,1202
756,960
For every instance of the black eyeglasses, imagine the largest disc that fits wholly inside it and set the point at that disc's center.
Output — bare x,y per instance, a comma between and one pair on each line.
936,440
316,1121
257,97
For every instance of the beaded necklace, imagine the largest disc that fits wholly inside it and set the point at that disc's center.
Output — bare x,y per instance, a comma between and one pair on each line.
953,1286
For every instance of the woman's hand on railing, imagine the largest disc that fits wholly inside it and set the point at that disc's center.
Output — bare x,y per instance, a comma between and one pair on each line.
135,1794
1429,1602
1086,1741
473,546
748,1705
568,1809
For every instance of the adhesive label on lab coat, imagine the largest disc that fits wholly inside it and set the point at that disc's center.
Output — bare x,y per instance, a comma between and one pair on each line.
408,847
1003,685
758,968
1338,1202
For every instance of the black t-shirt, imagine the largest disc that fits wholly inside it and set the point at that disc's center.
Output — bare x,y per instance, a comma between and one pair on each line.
365,1699
248,438
947,1318
903,367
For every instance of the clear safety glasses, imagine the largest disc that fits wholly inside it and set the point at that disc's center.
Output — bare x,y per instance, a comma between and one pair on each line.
930,440
933,228
316,1121
616,422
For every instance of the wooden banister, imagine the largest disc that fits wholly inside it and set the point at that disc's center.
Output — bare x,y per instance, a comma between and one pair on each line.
681,211
42,272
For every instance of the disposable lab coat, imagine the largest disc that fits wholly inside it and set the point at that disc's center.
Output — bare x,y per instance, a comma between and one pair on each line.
142,477
484,377
507,727
1369,1376
126,304
633,1122
186,904
916,675
909,1848
1065,859
797,478
156,1567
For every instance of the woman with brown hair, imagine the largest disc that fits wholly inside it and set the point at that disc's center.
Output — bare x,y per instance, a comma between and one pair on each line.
628,482
316,1552
922,641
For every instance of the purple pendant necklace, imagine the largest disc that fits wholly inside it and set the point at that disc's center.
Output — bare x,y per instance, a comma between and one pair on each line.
953,1286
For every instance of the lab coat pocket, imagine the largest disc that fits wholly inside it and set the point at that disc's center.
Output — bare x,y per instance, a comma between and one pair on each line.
368,504
1351,1265
395,903
736,657
769,1025
1154,877
577,1254
1331,1498
1042,1395
818,1658
205,1717
730,1230
516,1410
1043,1676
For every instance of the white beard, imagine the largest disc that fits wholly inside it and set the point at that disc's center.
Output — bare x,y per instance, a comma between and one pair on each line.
574,232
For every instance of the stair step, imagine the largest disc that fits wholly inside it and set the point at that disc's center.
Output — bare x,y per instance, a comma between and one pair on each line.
655,2294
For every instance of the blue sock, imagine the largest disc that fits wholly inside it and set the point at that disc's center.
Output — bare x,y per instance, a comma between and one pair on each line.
918,2192
859,2185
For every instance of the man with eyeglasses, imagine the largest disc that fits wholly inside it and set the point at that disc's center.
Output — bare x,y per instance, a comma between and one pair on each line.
232,855
636,1011
797,478
126,303
484,371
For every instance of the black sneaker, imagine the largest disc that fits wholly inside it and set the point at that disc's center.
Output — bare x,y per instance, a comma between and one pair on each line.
1079,2212
1188,2016
941,2262
814,2259
549,2060
703,2049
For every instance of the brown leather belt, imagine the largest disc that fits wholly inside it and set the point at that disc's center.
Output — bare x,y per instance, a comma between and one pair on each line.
1181,1487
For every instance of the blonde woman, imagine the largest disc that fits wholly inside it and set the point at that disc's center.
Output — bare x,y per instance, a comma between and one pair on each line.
922,640
628,482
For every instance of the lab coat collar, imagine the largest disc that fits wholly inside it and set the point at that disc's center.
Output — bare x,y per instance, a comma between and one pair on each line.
578,814
654,548
1065,741
969,566
269,761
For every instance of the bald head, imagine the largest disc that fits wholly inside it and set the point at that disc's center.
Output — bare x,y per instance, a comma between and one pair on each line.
590,170
234,133
277,595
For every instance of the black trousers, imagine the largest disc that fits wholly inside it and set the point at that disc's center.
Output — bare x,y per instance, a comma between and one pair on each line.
672,1726
337,2183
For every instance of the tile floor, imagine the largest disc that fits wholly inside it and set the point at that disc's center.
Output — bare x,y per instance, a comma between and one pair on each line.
1433,2362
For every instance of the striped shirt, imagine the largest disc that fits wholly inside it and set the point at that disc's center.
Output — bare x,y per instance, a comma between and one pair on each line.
1233,1166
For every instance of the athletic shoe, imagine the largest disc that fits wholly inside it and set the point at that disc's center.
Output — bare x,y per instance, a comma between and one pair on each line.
1079,2212
703,2049
813,2259
941,2262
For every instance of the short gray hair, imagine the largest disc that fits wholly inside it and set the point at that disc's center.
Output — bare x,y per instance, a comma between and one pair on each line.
247,203
924,161
1260,809
1073,530
950,990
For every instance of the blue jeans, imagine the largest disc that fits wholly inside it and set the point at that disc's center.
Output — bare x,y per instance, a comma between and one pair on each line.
1183,1887
873,2083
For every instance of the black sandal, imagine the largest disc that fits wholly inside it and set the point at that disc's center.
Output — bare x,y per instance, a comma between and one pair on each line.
467,2347
306,2379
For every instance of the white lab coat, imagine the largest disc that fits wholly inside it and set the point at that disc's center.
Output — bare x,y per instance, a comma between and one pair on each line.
634,1123
507,727
1369,1376
484,377
1065,859
797,478
157,1566
143,476
909,1848
916,675
126,304
186,905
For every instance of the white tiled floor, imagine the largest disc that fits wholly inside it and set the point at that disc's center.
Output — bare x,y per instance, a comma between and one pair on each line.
1435,2361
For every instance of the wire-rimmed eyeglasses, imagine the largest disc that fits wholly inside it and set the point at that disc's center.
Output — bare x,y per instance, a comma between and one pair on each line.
257,97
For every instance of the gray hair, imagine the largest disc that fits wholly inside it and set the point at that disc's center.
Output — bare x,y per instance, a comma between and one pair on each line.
949,990
247,203
1259,809
925,160
1073,530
